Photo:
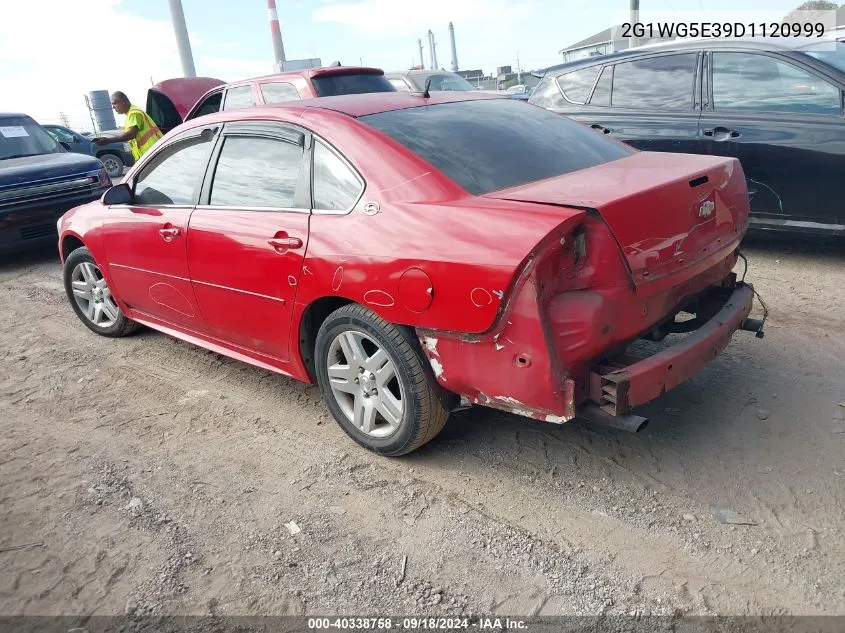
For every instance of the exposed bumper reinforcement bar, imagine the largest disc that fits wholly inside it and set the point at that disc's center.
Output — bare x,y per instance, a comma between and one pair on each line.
627,382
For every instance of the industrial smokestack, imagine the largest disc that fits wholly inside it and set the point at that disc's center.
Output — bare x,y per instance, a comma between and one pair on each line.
454,49
422,61
432,46
177,16
276,34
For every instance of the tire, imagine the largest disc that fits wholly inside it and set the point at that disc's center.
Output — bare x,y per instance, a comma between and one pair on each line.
371,419
113,164
85,287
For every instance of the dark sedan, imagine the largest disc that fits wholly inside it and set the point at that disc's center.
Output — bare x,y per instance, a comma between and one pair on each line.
777,108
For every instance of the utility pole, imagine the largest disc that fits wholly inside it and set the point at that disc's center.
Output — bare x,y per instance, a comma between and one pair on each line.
432,46
454,48
91,114
182,42
634,19
518,70
422,61
276,34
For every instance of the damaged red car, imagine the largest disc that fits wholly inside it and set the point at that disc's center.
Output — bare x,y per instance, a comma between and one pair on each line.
416,254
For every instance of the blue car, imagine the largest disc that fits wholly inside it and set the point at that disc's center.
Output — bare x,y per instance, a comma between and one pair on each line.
40,180
114,156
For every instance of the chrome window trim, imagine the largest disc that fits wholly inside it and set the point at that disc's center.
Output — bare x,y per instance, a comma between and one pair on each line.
150,206
222,207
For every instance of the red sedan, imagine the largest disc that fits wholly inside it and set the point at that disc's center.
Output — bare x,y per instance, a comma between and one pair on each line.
415,255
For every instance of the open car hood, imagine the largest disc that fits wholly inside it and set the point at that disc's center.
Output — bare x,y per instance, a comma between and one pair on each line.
170,100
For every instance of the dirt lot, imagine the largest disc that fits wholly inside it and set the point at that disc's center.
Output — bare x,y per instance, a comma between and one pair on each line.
160,479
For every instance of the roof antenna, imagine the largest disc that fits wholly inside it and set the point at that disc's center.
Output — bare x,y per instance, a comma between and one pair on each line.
425,94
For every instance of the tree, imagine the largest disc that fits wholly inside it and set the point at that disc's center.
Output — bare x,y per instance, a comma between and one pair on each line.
816,9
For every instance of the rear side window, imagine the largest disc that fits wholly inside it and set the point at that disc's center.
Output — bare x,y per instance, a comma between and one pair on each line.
329,85
489,145
240,97
279,92
210,105
336,186
256,172
664,82
400,85
547,94
576,86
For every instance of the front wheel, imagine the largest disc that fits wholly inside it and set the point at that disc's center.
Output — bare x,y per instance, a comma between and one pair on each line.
90,296
375,383
113,164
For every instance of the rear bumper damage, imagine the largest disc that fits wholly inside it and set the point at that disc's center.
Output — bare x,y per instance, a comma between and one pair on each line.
617,385
514,368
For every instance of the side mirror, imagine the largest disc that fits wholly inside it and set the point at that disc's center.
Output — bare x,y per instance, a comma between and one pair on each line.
119,194
65,145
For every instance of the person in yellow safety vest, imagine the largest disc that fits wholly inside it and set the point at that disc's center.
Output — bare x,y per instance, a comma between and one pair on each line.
139,129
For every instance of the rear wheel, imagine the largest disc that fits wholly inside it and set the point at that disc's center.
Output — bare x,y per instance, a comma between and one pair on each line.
375,383
113,164
90,296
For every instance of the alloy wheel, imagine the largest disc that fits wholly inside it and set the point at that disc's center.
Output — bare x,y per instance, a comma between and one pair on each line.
92,295
364,383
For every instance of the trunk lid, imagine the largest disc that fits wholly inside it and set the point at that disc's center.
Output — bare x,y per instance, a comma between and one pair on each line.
169,101
667,211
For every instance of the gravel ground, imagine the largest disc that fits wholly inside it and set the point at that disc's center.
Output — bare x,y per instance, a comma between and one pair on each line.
158,478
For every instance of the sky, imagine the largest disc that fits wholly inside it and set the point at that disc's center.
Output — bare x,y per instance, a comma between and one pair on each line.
52,52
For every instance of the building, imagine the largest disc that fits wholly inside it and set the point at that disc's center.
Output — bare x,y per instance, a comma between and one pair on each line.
471,75
504,78
608,41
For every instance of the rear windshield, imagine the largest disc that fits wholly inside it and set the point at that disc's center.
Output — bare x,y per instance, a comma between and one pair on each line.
21,136
442,82
489,145
330,85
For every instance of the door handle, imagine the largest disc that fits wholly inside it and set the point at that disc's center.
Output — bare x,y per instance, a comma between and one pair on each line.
283,242
169,233
601,128
721,133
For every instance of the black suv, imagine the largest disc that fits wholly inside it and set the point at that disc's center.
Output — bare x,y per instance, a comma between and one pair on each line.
40,180
776,107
